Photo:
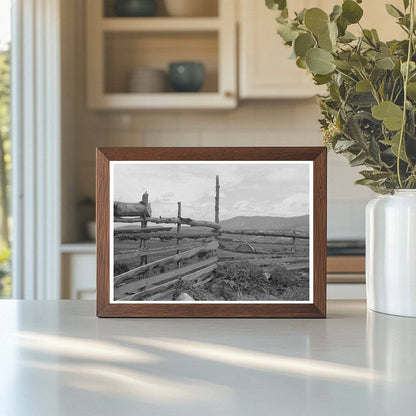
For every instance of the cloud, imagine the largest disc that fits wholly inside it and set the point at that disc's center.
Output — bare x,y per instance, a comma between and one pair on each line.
245,189
297,204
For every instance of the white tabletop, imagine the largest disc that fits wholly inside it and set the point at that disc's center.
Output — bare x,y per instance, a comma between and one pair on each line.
57,359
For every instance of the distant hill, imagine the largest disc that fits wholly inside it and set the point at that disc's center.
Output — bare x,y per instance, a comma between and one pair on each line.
300,223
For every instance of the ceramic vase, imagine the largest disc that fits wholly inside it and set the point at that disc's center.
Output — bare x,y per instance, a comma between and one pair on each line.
391,253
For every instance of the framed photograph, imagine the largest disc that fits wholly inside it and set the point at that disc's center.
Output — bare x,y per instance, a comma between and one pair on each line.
211,232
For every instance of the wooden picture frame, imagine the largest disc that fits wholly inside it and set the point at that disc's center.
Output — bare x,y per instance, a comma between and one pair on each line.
315,307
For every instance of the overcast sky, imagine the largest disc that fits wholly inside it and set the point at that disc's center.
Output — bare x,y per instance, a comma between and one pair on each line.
246,189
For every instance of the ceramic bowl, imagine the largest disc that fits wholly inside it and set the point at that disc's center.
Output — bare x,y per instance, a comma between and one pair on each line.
186,76
135,8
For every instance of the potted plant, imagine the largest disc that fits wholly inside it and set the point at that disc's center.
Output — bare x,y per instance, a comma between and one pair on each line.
368,116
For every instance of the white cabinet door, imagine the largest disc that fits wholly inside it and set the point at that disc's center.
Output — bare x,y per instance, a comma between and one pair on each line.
78,276
265,68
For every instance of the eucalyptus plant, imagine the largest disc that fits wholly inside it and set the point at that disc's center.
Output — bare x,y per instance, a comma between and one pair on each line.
369,112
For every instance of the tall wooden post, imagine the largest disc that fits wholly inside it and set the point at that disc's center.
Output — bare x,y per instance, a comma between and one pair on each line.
178,227
143,243
217,199
178,230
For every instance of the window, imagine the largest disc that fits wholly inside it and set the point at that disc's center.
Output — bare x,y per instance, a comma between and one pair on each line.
5,145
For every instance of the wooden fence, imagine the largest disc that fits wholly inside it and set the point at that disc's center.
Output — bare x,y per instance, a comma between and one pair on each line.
189,256
264,248
159,256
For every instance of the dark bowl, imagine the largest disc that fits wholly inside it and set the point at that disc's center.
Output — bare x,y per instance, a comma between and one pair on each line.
186,76
136,8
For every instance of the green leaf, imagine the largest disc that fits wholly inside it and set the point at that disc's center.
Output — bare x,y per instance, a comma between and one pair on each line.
333,32
276,4
348,37
412,67
316,20
300,17
374,150
354,131
286,32
343,65
374,174
358,61
394,145
325,43
319,61
301,63
385,63
336,12
321,79
284,14
381,89
411,90
363,86
361,99
342,25
303,43
393,11
351,11
377,75
327,40
358,160
396,70
343,145
375,35
368,36
391,114
364,181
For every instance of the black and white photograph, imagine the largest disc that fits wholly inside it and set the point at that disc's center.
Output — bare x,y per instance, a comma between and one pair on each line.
211,231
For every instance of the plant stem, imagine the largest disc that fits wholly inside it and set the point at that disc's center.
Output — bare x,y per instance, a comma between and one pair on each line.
345,75
406,80
373,89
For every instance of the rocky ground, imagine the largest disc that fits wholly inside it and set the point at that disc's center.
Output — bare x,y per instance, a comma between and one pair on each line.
244,281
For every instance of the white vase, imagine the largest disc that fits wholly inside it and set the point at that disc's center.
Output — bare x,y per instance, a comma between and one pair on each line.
391,253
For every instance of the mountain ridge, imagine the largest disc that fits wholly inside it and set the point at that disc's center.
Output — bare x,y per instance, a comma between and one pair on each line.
259,222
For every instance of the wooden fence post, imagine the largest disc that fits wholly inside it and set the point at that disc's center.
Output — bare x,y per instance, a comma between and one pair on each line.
217,199
178,230
143,242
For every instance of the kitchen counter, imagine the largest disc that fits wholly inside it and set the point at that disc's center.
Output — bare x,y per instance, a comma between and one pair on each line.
57,358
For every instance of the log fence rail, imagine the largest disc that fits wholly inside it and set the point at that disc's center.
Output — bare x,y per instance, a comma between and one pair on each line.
193,256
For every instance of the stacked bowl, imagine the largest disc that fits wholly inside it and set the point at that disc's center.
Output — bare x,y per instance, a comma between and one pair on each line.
147,80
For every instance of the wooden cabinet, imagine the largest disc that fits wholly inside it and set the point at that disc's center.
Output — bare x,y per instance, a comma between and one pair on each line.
265,70
78,271
117,45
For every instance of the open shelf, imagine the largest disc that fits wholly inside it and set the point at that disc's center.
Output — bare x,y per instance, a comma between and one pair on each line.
116,46
130,101
211,9
160,24
127,51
